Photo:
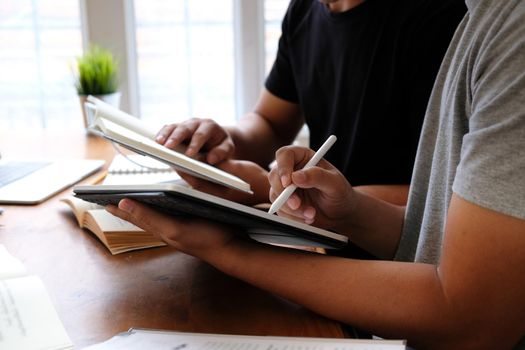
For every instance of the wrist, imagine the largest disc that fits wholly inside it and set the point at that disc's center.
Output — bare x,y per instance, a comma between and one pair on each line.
349,218
234,133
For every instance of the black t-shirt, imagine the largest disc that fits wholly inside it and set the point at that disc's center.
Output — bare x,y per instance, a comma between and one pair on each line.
364,75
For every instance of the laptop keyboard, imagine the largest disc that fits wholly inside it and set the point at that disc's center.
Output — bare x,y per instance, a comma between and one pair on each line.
12,171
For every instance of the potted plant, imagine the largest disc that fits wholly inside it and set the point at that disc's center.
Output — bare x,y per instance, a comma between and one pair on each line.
97,71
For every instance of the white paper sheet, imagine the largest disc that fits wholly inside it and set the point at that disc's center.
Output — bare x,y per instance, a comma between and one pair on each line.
137,339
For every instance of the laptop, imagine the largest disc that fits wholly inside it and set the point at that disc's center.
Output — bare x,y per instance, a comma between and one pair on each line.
34,181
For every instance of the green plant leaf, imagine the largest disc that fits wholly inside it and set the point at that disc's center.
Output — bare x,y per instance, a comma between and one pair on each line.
97,72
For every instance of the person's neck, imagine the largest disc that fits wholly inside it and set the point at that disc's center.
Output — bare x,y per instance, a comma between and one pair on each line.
344,5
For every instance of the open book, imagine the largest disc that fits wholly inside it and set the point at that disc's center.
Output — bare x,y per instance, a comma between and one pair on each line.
136,339
130,132
28,319
185,201
118,236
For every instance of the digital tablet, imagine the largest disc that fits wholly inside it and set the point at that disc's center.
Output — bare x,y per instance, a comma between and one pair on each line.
179,200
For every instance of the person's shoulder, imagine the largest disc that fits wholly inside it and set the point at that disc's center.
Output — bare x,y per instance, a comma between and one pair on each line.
512,11
297,13
499,29
301,6
298,9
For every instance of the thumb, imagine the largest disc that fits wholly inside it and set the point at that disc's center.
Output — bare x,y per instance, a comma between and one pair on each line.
221,152
326,181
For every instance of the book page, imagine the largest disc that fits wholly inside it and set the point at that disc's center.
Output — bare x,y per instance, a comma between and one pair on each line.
80,207
136,339
9,265
110,223
28,320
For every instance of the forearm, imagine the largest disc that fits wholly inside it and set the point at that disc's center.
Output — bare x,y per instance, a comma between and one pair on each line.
273,123
394,194
373,224
390,299
256,140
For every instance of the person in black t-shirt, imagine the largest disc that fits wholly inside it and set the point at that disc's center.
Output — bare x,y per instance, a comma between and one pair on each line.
362,70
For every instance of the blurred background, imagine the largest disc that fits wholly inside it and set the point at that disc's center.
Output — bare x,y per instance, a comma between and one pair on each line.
177,58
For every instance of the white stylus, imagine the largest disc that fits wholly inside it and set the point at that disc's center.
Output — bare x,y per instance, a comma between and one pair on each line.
283,197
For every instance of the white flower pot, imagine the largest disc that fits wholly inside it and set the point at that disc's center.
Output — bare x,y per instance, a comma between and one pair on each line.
112,99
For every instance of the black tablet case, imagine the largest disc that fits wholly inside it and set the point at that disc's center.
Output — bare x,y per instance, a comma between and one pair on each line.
181,204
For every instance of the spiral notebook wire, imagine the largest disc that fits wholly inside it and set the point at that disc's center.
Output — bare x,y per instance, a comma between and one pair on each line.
132,169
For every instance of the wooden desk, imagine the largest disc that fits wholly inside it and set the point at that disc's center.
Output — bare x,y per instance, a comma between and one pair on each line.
98,295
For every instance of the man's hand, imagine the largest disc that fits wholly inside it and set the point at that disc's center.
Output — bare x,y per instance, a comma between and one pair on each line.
199,238
200,135
250,172
323,198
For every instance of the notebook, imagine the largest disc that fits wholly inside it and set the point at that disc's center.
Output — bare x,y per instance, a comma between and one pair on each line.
26,181
135,169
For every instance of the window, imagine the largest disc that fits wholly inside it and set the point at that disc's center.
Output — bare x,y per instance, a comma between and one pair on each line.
274,11
184,51
185,59
38,42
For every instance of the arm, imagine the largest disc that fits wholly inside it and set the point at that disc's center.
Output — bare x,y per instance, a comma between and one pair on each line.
395,194
474,299
273,123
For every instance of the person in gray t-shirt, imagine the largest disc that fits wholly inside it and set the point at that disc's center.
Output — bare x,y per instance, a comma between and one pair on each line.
452,274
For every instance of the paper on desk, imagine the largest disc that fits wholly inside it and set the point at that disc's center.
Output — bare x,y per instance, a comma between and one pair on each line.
28,320
136,339
9,265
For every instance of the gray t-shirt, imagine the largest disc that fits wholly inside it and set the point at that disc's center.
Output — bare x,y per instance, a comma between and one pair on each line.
473,138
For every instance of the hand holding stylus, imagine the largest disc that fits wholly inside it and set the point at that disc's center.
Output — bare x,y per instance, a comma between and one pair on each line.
283,197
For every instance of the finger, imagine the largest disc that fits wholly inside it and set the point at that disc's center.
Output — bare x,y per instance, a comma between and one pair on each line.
163,134
291,215
330,182
298,208
205,185
139,215
309,215
304,214
294,202
201,136
276,186
181,133
221,152
289,158
193,181
294,214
